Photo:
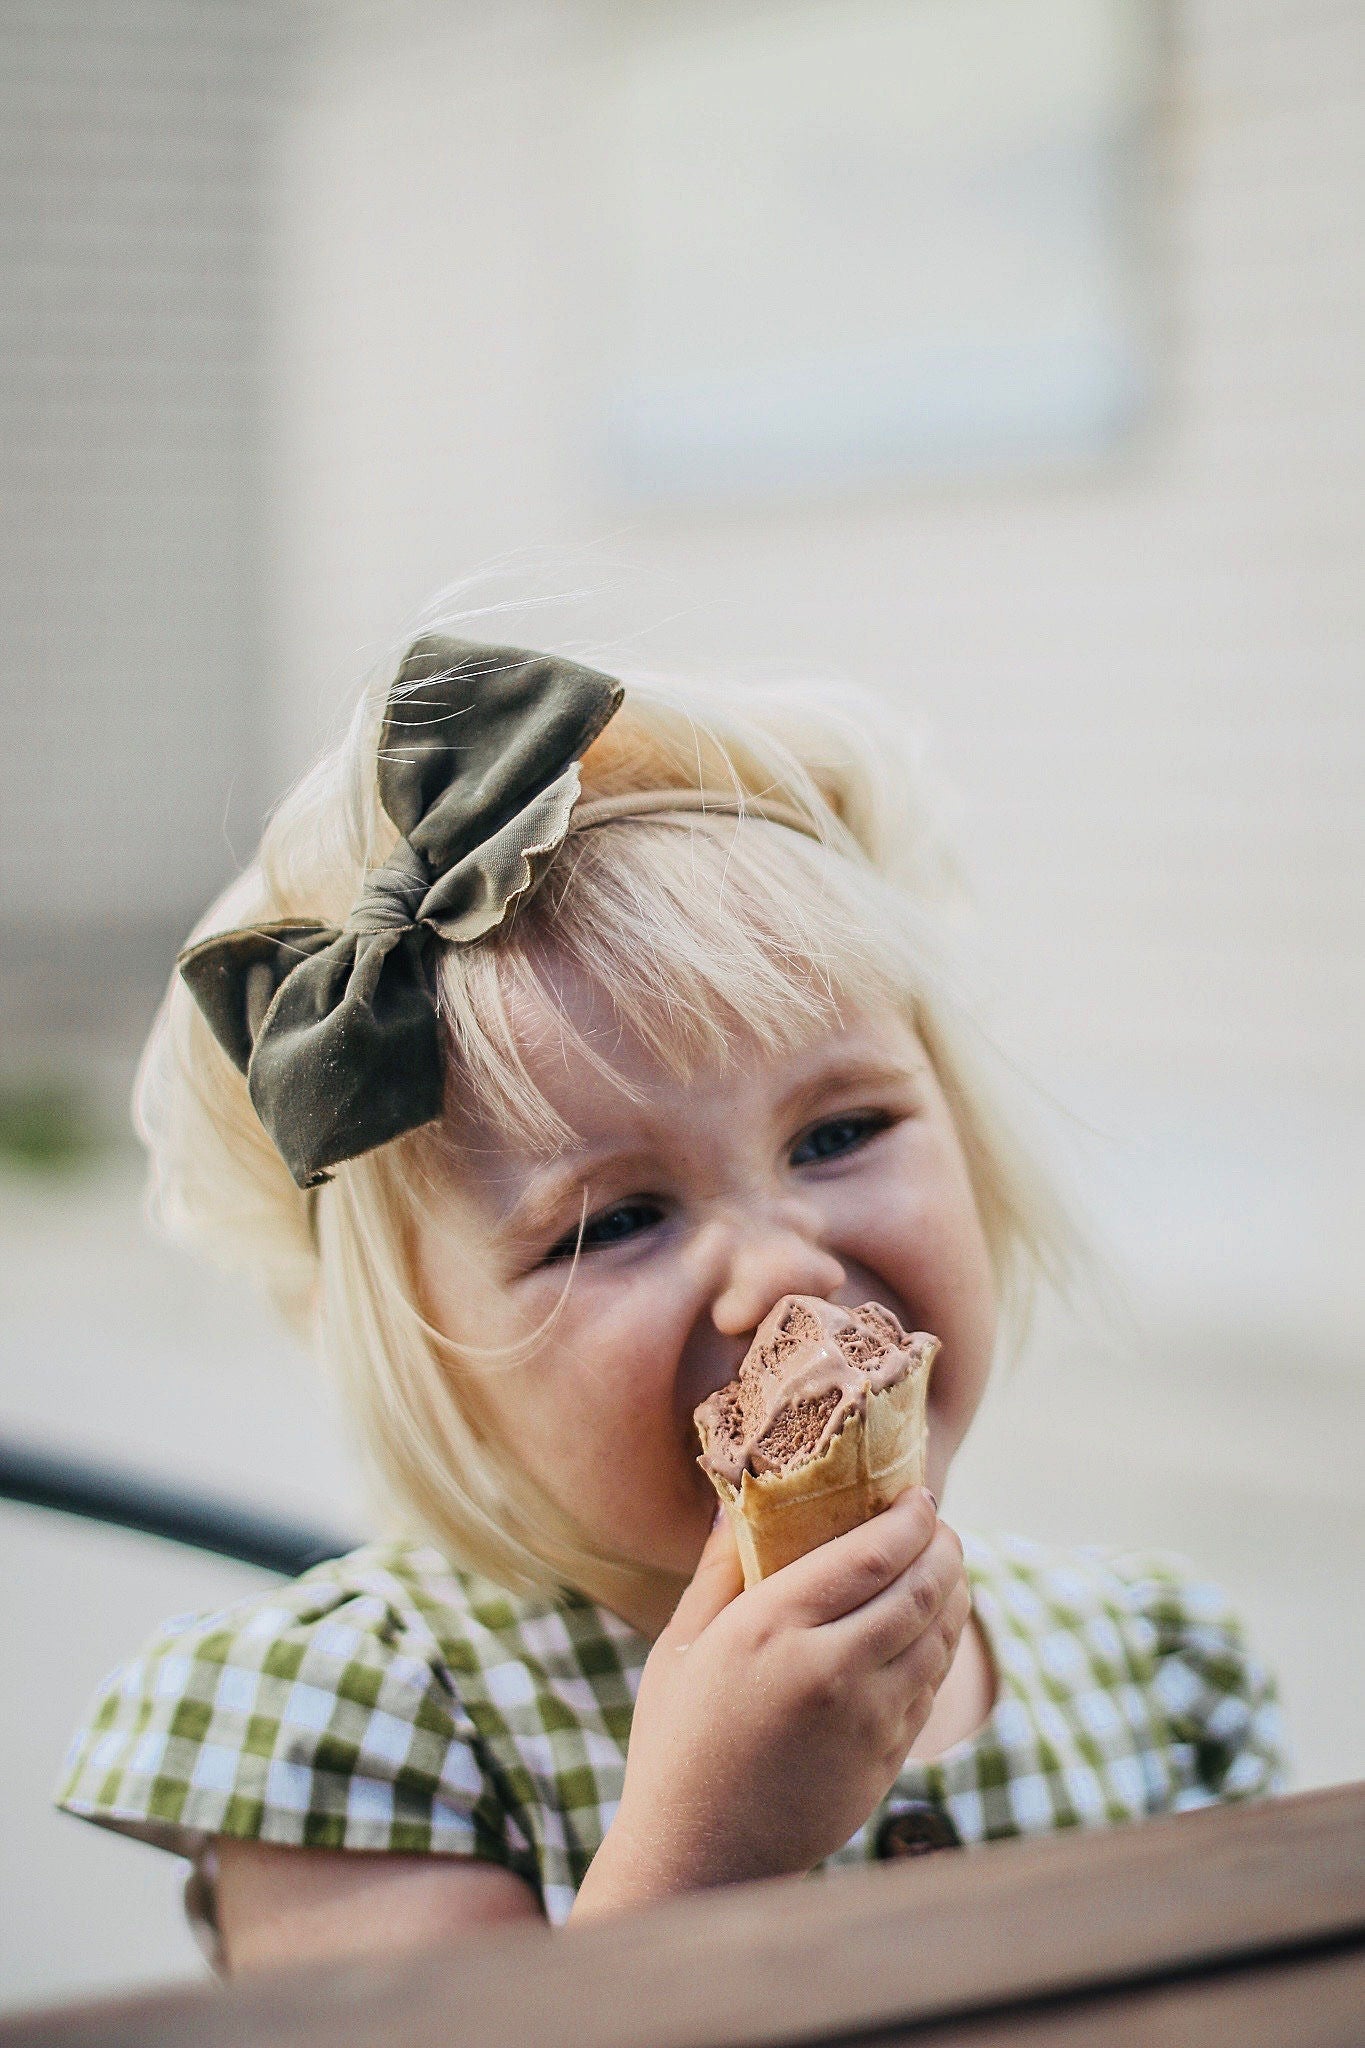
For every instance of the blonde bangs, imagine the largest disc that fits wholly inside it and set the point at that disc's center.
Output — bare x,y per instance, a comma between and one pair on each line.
705,936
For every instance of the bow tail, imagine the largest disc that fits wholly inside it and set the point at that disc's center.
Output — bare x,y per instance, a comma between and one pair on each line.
234,977
336,1033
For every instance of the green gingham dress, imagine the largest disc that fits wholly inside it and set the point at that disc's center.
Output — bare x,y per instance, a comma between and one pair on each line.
385,1701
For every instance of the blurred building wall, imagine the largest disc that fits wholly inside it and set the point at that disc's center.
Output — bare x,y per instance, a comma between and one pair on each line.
1144,680
132,235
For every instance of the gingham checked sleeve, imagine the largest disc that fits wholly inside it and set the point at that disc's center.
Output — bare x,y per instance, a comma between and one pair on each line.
1220,1701
319,1715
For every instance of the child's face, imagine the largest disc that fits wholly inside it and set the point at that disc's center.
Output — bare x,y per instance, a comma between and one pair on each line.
834,1171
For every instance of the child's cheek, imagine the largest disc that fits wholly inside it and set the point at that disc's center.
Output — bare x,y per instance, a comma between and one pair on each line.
966,1324
921,1236
600,1434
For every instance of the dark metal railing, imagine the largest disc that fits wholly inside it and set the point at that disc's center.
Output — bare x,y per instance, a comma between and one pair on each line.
129,1500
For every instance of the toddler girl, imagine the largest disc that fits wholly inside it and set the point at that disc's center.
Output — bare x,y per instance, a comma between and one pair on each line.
550,1040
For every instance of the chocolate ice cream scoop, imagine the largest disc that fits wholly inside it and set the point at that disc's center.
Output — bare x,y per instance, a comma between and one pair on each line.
823,1426
811,1367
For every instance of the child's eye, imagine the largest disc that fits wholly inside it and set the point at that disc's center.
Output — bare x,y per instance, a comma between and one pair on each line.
838,1134
626,1219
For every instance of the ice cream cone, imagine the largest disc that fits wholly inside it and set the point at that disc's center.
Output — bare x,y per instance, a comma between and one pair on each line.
877,1450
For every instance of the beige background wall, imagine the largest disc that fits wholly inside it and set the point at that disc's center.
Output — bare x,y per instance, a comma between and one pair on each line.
133,204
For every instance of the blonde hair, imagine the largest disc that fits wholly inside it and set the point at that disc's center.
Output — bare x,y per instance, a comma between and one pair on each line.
702,932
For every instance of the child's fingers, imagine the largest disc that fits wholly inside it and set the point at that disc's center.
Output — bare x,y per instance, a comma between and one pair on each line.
883,1627
852,1569
718,1578
924,1662
938,1612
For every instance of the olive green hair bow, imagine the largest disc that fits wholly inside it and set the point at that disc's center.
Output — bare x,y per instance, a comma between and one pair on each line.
337,1031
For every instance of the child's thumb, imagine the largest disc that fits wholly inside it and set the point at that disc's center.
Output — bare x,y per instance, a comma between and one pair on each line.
718,1578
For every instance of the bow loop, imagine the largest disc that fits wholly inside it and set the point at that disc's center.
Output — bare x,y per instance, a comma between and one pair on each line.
475,895
337,1031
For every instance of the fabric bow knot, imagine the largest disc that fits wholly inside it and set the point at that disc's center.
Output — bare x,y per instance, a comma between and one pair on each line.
336,1030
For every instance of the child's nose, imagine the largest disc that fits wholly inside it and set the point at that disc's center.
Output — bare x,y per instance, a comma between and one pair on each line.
764,1263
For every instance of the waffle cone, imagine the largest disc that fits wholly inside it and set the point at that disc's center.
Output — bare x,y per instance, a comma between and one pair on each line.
778,1516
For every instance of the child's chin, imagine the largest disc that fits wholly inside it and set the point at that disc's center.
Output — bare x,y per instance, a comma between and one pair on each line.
678,1557
670,1549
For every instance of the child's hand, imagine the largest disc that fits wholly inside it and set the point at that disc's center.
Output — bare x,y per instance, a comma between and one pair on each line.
770,1722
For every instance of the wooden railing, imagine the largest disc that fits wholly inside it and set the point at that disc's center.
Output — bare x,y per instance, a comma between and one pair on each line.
1241,1926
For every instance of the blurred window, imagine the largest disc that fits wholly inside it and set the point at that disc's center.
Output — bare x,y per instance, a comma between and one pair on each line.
873,239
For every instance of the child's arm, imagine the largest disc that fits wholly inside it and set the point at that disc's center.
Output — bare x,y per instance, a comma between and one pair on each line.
765,1733
768,1727
278,1906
